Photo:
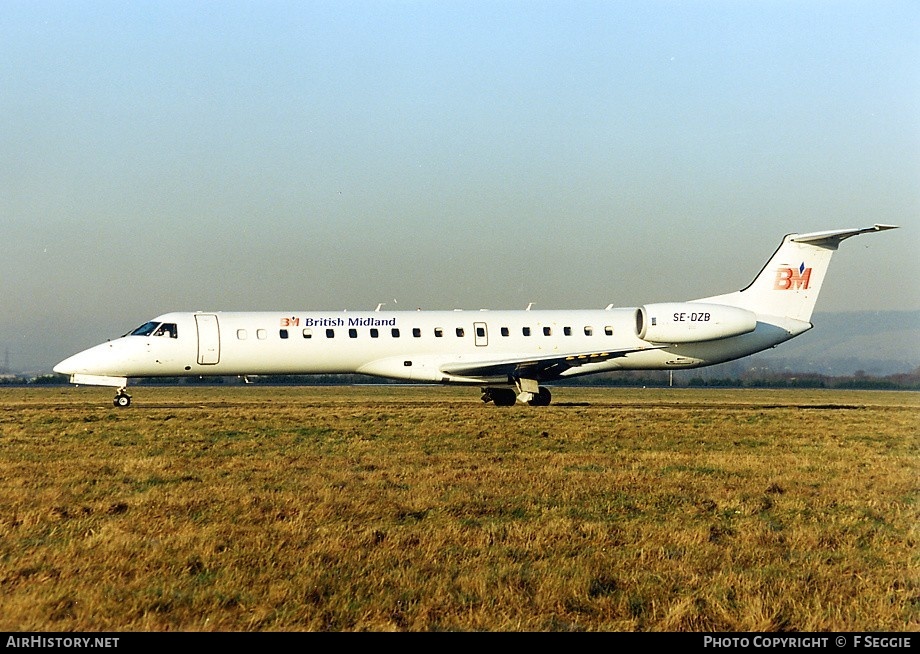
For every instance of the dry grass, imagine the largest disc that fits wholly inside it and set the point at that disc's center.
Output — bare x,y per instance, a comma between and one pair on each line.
397,508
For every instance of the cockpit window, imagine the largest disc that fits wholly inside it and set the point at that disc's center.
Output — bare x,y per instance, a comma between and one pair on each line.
157,329
166,329
145,330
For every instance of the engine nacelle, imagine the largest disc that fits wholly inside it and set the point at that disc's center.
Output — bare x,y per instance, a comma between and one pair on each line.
691,322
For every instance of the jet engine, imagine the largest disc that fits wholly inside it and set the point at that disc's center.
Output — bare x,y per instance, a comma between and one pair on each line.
691,322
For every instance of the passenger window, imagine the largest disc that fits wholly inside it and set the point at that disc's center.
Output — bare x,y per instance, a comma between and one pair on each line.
241,334
481,332
608,330
330,333
308,333
416,332
526,331
375,332
261,334
567,331
438,332
460,332
352,333
589,331
547,331
395,332
283,333
505,331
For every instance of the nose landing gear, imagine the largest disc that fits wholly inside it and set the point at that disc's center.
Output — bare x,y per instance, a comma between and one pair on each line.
122,399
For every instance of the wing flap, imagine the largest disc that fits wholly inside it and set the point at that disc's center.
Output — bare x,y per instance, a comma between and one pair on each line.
546,367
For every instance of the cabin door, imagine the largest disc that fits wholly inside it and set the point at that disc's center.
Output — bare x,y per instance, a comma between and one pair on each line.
481,334
208,338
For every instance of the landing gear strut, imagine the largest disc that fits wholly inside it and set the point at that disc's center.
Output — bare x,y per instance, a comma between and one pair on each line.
529,392
122,399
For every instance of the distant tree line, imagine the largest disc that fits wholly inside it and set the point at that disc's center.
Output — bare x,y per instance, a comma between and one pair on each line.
760,378
757,378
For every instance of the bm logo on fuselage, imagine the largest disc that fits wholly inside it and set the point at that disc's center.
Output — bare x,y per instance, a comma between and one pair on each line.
790,279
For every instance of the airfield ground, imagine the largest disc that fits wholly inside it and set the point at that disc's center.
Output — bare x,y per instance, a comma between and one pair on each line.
413,509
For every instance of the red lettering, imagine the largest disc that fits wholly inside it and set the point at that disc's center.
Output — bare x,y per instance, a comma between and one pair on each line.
782,282
787,278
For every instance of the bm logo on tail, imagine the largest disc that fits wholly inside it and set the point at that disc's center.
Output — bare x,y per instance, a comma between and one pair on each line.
792,279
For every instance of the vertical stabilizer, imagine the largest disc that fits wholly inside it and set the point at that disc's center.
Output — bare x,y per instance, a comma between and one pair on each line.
789,284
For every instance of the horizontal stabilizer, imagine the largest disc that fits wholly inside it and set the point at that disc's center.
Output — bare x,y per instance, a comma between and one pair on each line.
831,239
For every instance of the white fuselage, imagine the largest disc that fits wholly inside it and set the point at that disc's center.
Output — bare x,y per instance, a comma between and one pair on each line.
413,345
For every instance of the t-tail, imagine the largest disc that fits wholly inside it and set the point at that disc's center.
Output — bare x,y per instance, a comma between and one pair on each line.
789,283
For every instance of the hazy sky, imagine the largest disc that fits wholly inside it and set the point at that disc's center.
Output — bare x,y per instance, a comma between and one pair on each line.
297,155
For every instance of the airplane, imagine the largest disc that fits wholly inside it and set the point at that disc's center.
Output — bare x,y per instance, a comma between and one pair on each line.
510,355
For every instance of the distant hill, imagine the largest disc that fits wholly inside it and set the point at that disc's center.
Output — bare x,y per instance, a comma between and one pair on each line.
878,343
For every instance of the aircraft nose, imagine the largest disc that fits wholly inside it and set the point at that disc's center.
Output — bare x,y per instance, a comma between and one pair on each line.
68,366
89,361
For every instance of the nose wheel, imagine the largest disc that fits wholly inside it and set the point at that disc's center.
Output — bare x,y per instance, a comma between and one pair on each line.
122,399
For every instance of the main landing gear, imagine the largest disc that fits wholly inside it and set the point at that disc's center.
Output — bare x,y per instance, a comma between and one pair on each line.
122,399
525,390
500,396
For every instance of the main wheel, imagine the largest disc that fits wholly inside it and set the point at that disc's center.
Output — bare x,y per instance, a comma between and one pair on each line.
122,400
503,396
542,398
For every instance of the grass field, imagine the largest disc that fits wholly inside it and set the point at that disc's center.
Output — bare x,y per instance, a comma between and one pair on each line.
413,509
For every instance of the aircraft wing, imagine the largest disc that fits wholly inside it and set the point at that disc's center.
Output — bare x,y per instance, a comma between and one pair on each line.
540,368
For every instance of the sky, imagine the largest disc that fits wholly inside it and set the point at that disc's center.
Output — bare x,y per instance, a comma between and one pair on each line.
183,155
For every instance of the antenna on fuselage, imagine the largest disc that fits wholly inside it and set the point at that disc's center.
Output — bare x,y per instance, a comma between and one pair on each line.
529,304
